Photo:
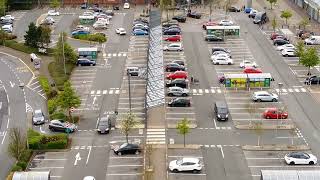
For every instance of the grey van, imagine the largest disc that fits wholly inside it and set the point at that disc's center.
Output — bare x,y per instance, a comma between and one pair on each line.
221,111
260,18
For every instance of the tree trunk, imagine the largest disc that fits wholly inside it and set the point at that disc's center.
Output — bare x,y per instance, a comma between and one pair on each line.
286,21
258,140
271,5
127,137
184,140
70,116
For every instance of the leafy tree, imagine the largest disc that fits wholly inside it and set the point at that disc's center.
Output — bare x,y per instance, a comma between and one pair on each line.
32,36
127,123
3,7
3,36
17,143
304,22
272,2
286,14
69,54
54,4
274,23
310,58
68,99
45,35
183,128
300,49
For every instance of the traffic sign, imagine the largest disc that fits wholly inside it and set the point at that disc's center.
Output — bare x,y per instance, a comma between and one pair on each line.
72,109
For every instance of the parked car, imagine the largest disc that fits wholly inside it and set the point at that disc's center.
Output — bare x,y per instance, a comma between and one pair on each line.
141,20
261,18
86,62
104,125
126,148
226,23
80,32
89,178
279,42
170,23
220,49
288,52
219,54
6,21
173,38
7,28
53,13
247,10
109,12
60,125
181,19
209,23
280,37
177,91
274,113
295,158
178,74
171,27
7,17
286,46
312,80
83,6
194,15
171,67
116,7
211,37
99,25
133,71
121,31
251,70
140,26
126,6
252,13
274,35
183,83
139,32
173,47
221,111
47,21
264,96
80,27
248,63
233,9
185,164
179,102
180,62
312,40
38,117
222,60
174,31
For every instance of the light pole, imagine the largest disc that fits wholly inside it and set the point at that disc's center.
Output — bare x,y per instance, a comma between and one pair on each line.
129,75
64,58
279,93
245,39
21,86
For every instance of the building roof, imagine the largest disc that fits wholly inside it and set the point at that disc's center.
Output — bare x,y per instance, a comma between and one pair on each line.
290,174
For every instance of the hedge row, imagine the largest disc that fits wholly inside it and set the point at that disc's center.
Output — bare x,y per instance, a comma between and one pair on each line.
23,48
92,37
41,141
24,159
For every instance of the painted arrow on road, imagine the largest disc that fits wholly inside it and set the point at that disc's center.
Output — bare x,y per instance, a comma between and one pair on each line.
12,84
78,158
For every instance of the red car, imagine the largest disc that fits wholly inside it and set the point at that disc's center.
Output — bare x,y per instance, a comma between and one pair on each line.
209,23
274,113
173,38
274,35
250,70
178,74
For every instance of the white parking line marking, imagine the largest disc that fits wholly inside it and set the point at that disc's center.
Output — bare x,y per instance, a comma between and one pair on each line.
206,91
104,92
303,90
213,91
284,90
111,91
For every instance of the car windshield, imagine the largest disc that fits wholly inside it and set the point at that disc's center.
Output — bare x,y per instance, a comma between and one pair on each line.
123,145
223,110
39,114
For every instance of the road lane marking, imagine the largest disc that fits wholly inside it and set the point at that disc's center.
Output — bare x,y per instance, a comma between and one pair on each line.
88,154
189,174
126,165
132,174
4,137
219,146
39,159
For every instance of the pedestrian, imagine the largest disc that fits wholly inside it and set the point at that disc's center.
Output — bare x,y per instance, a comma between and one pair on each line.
191,79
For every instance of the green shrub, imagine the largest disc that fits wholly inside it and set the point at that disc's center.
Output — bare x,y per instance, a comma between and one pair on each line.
57,73
44,82
33,133
23,48
35,142
91,37
58,115
42,141
23,165
60,144
52,105
16,168
25,156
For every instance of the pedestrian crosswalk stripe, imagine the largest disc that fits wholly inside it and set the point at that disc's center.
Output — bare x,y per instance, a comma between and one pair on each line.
303,90
111,91
212,91
290,90
117,91
297,90
218,90
114,54
104,92
98,92
206,90
284,90
194,91
92,92
200,91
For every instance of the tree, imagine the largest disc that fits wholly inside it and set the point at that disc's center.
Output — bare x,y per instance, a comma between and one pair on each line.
257,127
274,23
68,99
17,143
183,128
32,36
68,52
3,36
45,35
127,123
286,14
300,49
310,58
54,3
3,7
304,22
272,2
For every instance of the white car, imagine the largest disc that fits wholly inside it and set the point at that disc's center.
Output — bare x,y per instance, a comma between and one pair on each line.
222,60
221,55
264,96
99,25
221,52
53,13
248,63
88,13
80,27
177,91
185,164
142,26
226,23
121,31
7,28
300,158
7,17
285,46
173,47
126,6
103,20
288,52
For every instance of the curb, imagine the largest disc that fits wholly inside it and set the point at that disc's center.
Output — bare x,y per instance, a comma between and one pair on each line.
181,146
284,147
266,127
174,126
82,40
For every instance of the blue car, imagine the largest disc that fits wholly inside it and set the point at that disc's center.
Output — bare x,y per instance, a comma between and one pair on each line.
79,32
247,10
139,32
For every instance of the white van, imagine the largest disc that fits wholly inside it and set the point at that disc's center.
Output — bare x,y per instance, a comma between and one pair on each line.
126,6
312,40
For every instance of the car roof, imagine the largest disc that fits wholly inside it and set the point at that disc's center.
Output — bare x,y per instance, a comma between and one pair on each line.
261,92
190,159
38,111
56,121
104,118
221,104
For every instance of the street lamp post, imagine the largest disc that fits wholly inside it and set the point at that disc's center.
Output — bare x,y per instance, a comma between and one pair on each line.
280,85
129,86
21,86
245,39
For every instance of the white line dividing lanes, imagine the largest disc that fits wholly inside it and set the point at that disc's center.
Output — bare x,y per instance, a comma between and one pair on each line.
89,147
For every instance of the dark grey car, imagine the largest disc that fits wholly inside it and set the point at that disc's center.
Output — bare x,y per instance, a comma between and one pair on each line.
221,111
104,125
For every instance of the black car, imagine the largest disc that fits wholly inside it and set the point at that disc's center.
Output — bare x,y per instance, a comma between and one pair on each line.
180,62
221,111
179,102
312,80
116,8
85,62
83,6
104,125
97,9
127,148
181,19
211,37
220,49
142,28
233,9
141,20
194,15
171,67
279,42
173,31
177,82
60,125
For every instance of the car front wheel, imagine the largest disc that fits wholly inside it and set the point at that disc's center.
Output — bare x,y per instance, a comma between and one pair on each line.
175,170
119,154
311,163
292,163
195,171
274,100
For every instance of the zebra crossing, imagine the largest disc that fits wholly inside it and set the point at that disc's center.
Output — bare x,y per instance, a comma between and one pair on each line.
156,136
35,86
107,91
120,54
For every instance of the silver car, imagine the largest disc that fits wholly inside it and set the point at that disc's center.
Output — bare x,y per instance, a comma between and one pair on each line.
177,91
173,47
264,96
38,117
